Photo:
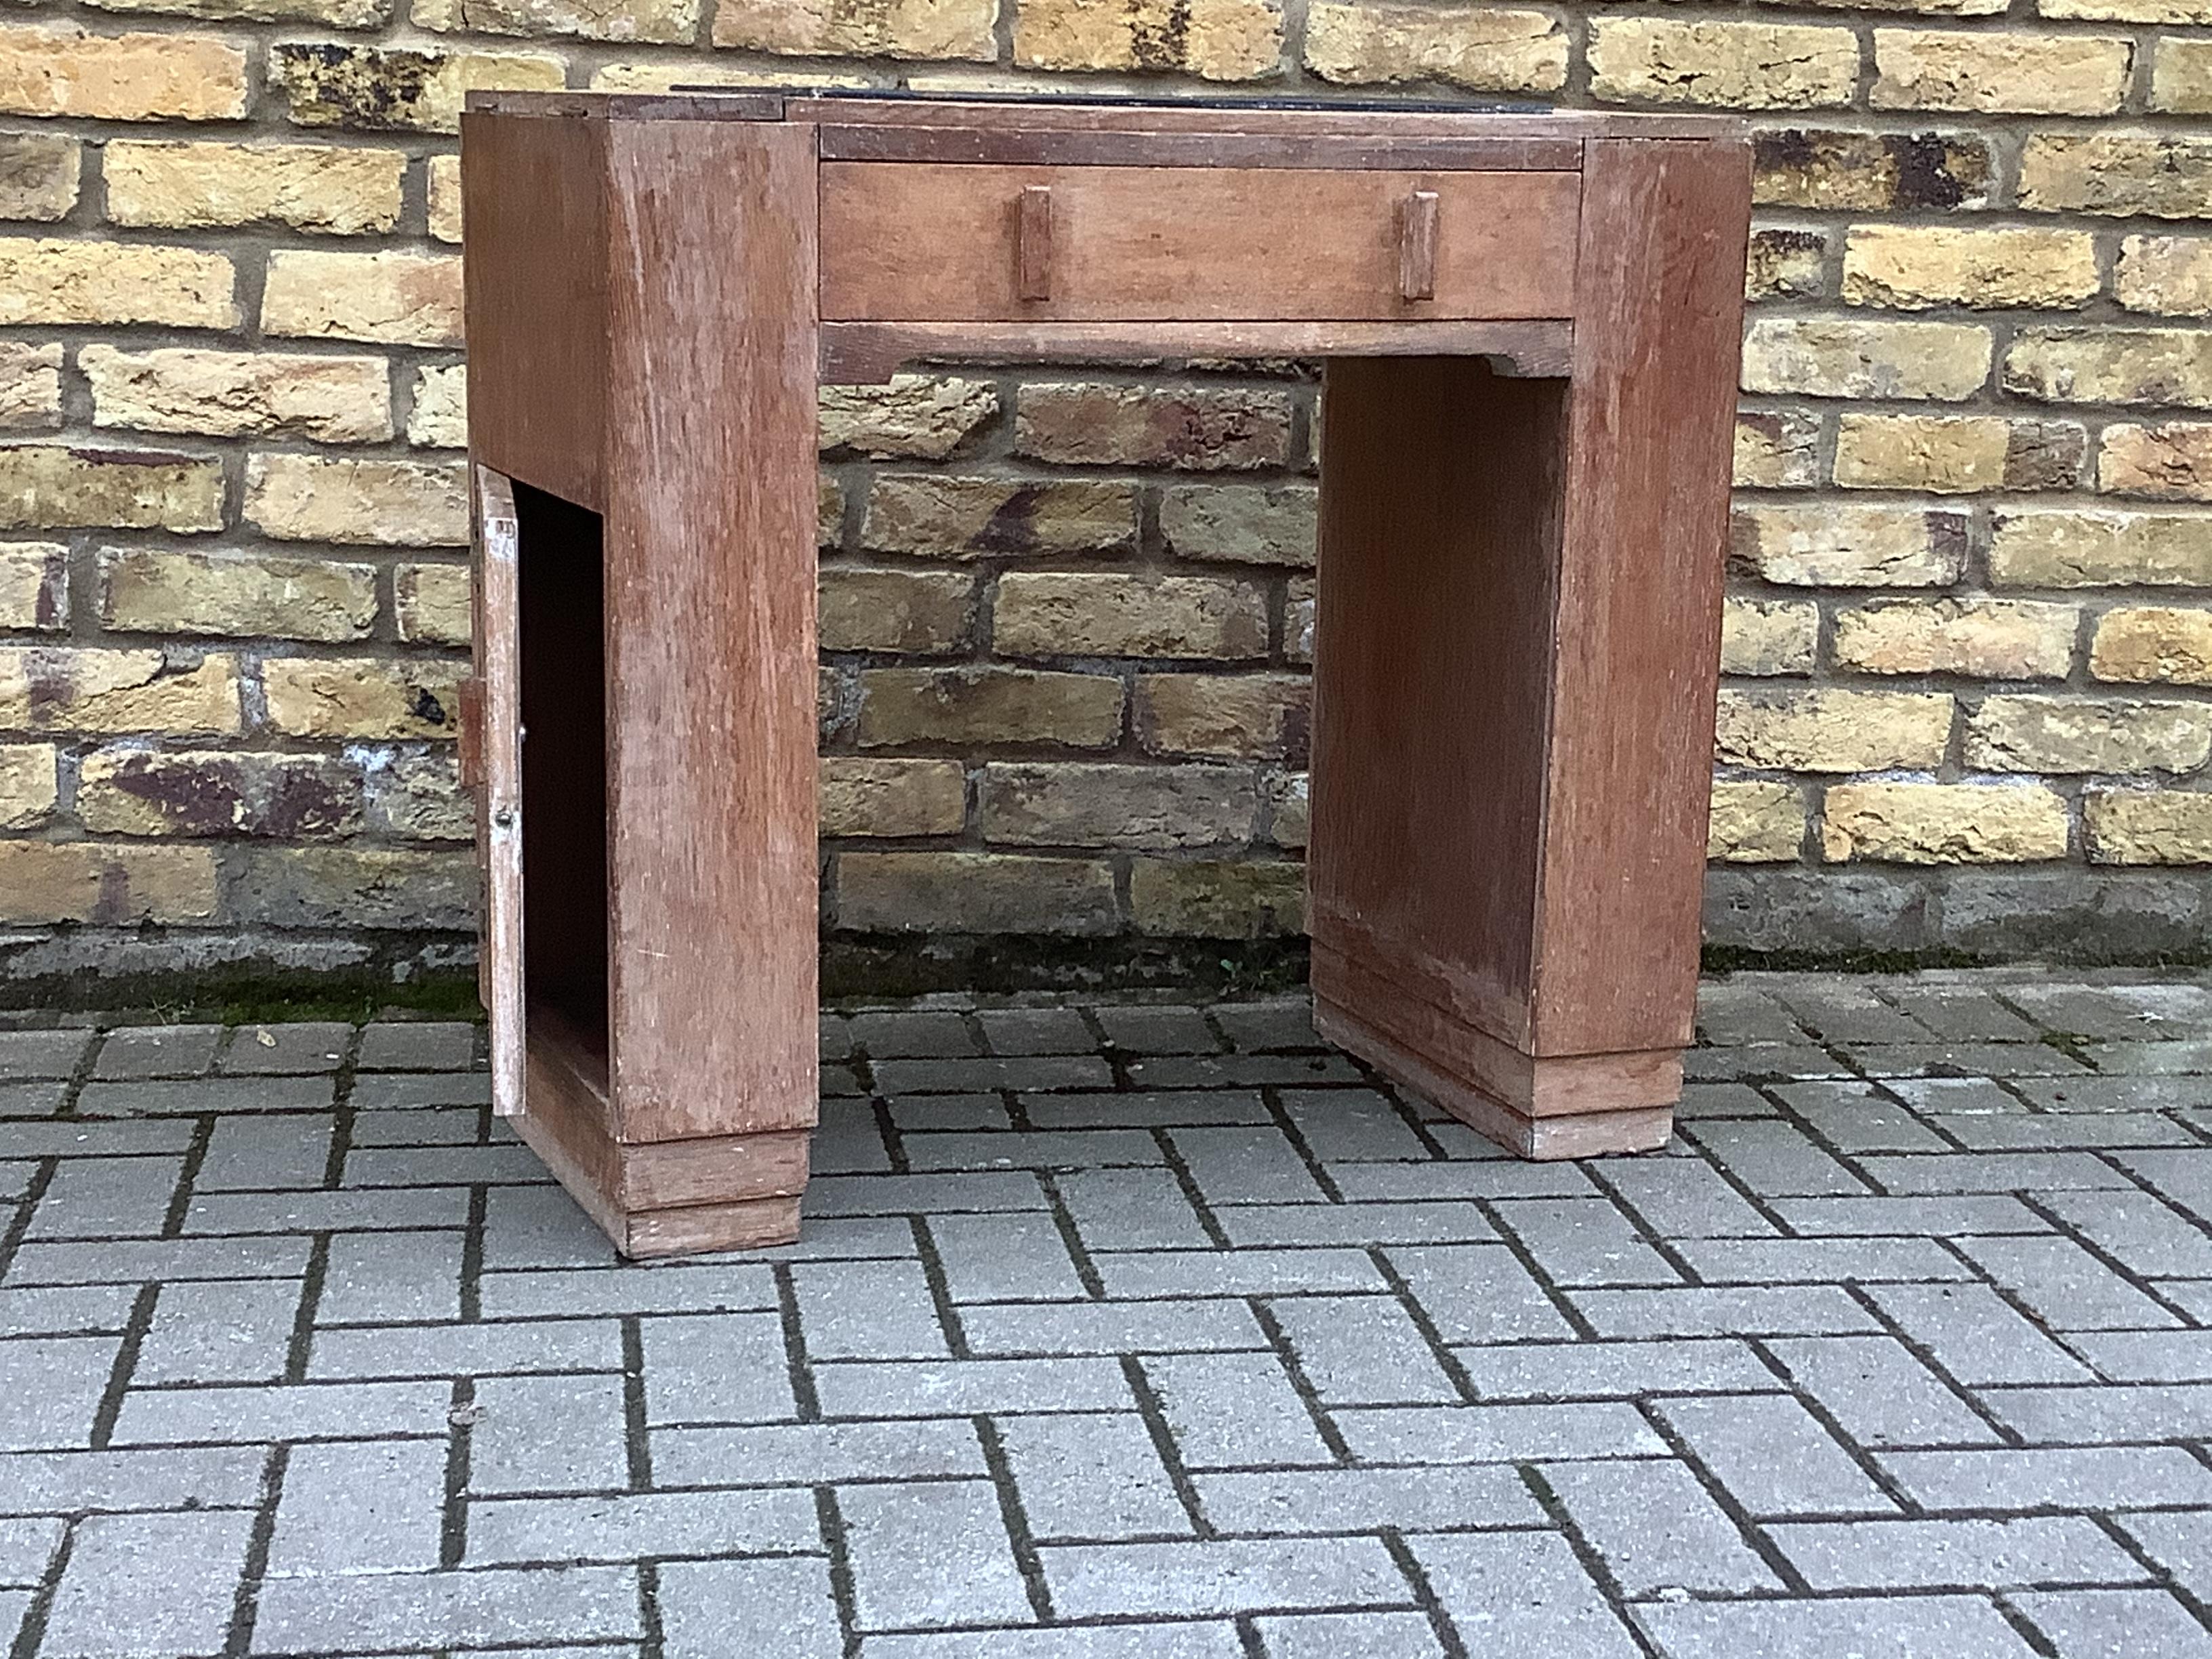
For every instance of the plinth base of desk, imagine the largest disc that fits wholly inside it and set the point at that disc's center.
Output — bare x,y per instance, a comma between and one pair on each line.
658,1198
1529,1107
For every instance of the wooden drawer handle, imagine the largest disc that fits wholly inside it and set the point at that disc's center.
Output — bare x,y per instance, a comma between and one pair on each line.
1416,247
1033,244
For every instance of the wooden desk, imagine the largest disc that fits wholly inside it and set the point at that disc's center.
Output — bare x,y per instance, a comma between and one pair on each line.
1531,326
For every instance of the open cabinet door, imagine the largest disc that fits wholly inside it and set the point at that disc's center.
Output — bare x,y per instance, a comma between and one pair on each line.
492,724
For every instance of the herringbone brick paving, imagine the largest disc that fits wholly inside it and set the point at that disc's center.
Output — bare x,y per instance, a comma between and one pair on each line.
1132,1330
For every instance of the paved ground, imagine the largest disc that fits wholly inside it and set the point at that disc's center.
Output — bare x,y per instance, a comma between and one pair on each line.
1147,1331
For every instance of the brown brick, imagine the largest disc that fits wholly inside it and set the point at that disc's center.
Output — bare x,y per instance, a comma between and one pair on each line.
1241,523
394,299
38,174
354,887
141,791
357,500
444,191
917,611
231,394
1213,40
2154,644
1482,48
27,785
59,281
919,417
1085,804
362,697
1990,639
1820,544
1755,821
2097,548
2165,367
313,187
1087,614
2181,77
438,414
53,70
1775,449
394,89
33,585
1095,425
30,386
2170,461
417,796
984,705
1289,817
1212,898
44,881
2000,73
2148,826
2118,172
663,22
974,517
49,487
1785,264
2168,274
2088,734
1298,621
431,602
1900,822
1665,60
865,795
1916,267
1869,172
150,591
1865,357
60,688
1769,636
1824,730
975,893
1228,717
897,28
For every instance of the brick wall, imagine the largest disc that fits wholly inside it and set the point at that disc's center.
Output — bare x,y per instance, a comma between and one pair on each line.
1066,615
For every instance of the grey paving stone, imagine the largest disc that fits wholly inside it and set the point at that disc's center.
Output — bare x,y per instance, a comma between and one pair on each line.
539,1227
248,1154
2048,1130
1733,1014
220,1331
867,1311
1986,1555
2004,1478
481,1607
920,1033
1446,1498
1521,1595
1910,1217
547,1434
849,1141
1962,1013
26,1549
706,1288
441,1166
962,1076
417,1046
1362,1351
629,1526
2139,1232
1284,1023
41,1099
378,1277
1584,1240
1820,1260
1172,1030
716,1368
53,1386
1870,1627
1221,1576
2110,1011
68,1482
391,1092
107,1198
2185,1178
795,1454
1496,1434
1841,1012
56,1053
931,1553
300,1045
961,1387
939,1112
1683,1198
1880,1394
1774,1159
66,1310
1723,1100
1197,1326
1131,1210
359,1506
786,1608
1477,1294
1349,1636
2063,1286
150,1584
1975,1335
1056,1149
1993,1172
1234,1410
1700,1311
2105,1414
848,1239
1092,1475
1004,1258
2006,1060
2117,1623
133,1051
487,1348
180,1097
2148,1356
1773,1456
1153,1639
1768,1061
1657,1529
1484,1174
1855,1117
1241,1071
1236,1165
2185,1057
2177,1542
406,1209
1350,1125
1035,1031
1948,1097
235,1414
1179,1273
1614,1370
130,1262
90,1137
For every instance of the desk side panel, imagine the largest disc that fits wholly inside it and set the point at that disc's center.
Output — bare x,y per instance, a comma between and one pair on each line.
534,201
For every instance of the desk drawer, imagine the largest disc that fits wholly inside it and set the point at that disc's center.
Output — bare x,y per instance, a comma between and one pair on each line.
924,242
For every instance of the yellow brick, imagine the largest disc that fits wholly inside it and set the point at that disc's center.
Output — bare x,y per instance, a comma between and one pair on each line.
868,796
1785,264
150,591
660,77
313,187
1241,523
27,785
38,174
59,281
1226,716
896,28
975,893
357,500
445,187
1769,636
2164,176
1839,170
1483,48
2171,461
1899,822
2147,644
2181,77
1202,428
381,698
1820,544
1775,449
664,22
111,886
2099,547
1213,40
439,417
56,688
1990,639
396,299
2148,826
903,610
2129,11
1755,823
398,89
2172,275
1093,803
2156,366
30,386
2000,73
974,517
1664,60
976,705
1055,613
337,14
1217,898
231,394
1865,357
1951,455
1298,621
432,603
33,585
1916,267
2088,734
46,486
926,416
120,77
167,792
1289,809
1834,731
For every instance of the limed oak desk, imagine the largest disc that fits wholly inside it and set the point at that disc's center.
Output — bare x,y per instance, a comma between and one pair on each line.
1530,324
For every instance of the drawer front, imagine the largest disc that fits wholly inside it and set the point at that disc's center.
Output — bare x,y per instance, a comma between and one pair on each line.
922,242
